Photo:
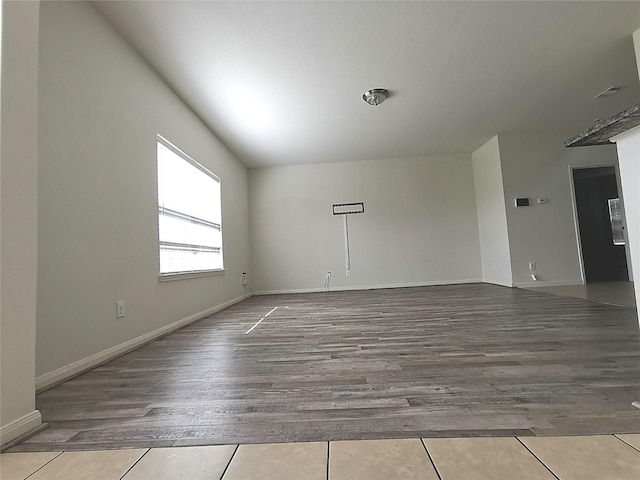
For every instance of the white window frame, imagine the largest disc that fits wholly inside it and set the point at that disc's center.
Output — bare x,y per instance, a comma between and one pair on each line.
177,275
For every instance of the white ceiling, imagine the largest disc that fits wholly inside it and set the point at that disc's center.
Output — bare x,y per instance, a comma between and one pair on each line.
280,83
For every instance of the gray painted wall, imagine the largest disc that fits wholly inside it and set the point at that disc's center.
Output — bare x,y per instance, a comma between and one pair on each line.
419,226
18,217
538,165
101,107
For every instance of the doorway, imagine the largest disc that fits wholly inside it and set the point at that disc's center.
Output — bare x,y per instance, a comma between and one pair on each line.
601,224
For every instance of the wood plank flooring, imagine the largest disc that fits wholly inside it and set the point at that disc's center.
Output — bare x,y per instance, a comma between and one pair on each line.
615,293
443,361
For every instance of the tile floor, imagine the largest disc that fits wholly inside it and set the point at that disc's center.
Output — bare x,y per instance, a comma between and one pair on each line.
600,457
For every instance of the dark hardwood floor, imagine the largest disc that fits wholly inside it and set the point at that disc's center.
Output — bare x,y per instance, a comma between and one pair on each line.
456,360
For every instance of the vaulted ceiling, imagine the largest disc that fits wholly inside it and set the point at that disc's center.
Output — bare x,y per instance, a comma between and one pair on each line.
281,83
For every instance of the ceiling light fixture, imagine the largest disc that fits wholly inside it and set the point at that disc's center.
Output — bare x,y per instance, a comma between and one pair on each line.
375,96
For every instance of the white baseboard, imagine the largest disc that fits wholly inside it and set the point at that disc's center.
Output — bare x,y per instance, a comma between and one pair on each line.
370,287
63,373
19,427
500,284
542,283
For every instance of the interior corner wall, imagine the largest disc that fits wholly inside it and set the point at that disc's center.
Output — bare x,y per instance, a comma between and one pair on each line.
419,226
539,165
628,147
492,215
18,218
100,109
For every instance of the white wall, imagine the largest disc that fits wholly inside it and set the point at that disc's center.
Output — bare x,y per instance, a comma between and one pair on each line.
628,146
492,216
536,165
18,217
101,107
419,226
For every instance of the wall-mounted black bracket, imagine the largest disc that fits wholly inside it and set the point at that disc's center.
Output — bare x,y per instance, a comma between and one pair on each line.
348,208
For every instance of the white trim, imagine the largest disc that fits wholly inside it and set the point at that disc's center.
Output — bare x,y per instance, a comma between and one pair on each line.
91,361
500,284
549,283
19,427
172,277
623,135
576,224
371,287
627,247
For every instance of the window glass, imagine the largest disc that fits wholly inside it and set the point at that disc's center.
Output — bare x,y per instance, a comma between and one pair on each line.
615,215
189,213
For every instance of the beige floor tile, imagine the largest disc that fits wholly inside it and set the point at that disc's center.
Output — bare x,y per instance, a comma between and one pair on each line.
585,458
380,460
18,466
484,458
188,463
103,465
632,439
283,461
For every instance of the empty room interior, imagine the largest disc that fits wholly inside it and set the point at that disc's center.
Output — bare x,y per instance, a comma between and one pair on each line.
320,239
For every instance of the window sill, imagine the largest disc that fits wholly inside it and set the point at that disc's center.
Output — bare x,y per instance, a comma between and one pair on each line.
171,277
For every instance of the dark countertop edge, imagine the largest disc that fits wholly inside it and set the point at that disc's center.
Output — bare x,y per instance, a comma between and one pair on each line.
601,132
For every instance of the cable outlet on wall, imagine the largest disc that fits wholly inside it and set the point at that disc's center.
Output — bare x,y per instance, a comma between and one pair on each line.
532,266
243,278
120,309
328,275
348,273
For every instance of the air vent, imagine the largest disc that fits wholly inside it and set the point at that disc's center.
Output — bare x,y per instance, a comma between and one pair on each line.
608,92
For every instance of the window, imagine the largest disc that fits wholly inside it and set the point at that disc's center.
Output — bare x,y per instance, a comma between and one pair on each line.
617,225
189,214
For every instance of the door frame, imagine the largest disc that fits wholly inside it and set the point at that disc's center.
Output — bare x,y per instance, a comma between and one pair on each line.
576,224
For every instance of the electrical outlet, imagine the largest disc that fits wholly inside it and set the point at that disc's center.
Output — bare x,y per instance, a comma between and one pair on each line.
328,274
244,278
532,266
348,273
120,309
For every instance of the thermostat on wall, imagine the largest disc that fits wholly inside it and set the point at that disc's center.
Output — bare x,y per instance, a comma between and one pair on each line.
522,202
